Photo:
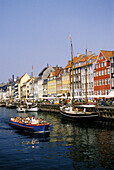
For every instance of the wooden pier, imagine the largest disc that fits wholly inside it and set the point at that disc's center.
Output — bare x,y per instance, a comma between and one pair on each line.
106,112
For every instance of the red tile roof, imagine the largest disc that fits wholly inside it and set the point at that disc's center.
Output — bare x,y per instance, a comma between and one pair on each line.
107,54
75,59
55,73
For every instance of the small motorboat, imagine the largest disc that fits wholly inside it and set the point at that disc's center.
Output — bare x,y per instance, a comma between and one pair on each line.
40,128
21,109
32,109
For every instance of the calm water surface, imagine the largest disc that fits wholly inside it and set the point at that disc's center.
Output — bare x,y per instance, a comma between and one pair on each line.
68,145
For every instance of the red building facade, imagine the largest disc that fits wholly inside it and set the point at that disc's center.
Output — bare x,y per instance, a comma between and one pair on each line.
102,73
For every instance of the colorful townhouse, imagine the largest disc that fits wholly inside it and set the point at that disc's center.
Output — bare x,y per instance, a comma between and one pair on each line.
102,75
59,83
76,75
112,75
42,82
66,83
52,83
88,62
36,89
22,86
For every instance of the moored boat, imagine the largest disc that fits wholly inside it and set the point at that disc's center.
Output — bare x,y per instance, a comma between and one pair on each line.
30,127
21,109
2,104
32,109
81,112
10,105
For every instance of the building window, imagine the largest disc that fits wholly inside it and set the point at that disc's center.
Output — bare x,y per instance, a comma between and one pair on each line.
103,92
102,81
111,60
105,81
105,63
112,82
102,64
108,71
108,80
100,92
106,92
97,82
99,73
112,70
102,72
96,65
99,65
105,71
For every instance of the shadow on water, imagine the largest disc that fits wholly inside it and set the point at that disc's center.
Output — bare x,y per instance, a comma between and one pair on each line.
42,137
92,124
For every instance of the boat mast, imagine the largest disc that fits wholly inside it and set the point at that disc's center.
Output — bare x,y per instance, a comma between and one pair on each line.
20,93
32,85
72,73
86,78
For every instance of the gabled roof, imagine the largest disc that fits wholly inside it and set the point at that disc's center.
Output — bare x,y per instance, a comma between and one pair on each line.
28,80
107,54
75,59
41,73
55,73
94,57
22,76
83,65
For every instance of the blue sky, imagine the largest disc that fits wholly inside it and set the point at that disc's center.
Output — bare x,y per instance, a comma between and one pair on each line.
36,32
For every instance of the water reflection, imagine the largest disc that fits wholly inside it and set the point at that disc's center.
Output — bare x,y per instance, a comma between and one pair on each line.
69,144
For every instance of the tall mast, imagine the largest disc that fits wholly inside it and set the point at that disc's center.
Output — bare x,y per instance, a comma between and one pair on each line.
32,85
20,94
86,78
72,73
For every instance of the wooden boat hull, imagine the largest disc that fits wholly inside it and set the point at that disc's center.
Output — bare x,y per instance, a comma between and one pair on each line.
30,128
80,116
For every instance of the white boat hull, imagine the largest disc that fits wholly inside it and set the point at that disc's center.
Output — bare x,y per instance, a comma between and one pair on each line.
21,109
32,109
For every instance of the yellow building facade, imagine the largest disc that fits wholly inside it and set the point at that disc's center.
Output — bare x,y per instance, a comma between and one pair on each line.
65,83
51,85
21,85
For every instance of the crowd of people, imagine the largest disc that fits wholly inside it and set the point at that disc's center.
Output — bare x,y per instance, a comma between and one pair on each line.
28,120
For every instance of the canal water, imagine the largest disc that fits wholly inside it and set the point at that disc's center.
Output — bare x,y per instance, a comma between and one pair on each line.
69,145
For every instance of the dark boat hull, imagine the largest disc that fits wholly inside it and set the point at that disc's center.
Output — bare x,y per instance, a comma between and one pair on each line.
30,128
80,116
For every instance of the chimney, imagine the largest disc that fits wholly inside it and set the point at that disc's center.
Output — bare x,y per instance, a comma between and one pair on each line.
31,75
56,67
89,53
13,78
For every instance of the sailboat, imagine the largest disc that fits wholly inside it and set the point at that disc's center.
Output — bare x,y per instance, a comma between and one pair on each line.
79,112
